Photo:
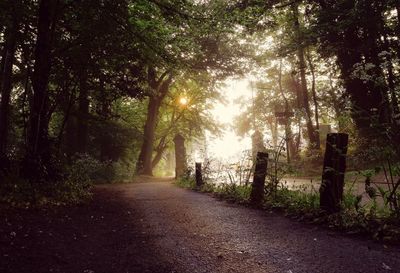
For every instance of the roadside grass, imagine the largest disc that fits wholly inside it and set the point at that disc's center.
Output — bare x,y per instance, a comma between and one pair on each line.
369,219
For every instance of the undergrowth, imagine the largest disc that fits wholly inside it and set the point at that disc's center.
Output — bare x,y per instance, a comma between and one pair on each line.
303,205
72,185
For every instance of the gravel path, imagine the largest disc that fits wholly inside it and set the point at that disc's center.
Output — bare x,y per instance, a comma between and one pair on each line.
157,227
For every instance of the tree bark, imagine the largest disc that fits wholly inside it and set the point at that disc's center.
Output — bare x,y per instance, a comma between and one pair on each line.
378,88
398,28
82,121
144,165
160,87
180,156
331,190
391,79
66,130
106,147
38,152
6,84
27,93
260,172
351,50
163,143
347,57
291,151
312,134
336,104
161,147
314,96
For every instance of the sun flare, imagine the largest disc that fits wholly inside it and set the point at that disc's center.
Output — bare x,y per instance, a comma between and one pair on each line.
183,101
229,146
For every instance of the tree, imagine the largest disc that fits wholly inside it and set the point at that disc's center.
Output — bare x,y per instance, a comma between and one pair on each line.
11,36
160,86
186,112
303,92
189,43
359,51
38,145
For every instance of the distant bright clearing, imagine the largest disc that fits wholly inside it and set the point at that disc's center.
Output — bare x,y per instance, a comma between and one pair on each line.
229,147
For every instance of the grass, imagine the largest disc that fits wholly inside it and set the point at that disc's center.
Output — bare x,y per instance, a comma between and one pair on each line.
369,219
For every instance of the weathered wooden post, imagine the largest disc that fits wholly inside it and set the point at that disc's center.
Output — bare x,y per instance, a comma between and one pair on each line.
257,144
260,172
199,175
170,163
180,156
331,190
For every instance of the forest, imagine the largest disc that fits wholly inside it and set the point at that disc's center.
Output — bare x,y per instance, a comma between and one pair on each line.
87,83
108,109
92,90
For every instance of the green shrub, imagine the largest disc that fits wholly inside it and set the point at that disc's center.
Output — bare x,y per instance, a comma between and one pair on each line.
186,182
16,191
233,192
71,185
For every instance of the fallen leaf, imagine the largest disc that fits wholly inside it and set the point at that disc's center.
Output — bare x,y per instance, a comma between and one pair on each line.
386,267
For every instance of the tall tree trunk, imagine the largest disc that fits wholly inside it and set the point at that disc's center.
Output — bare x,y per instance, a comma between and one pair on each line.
314,94
180,156
391,76
392,86
336,105
163,143
398,28
377,85
106,148
38,144
82,121
161,147
350,47
69,140
144,165
312,134
27,93
64,128
160,88
6,84
347,57
291,151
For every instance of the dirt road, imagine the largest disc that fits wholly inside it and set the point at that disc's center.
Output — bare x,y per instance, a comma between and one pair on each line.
157,227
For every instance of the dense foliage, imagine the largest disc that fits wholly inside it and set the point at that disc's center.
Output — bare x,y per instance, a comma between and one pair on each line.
90,90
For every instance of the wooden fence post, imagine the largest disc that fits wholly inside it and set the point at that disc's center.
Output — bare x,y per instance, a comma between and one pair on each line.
199,176
257,145
331,190
180,156
260,172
